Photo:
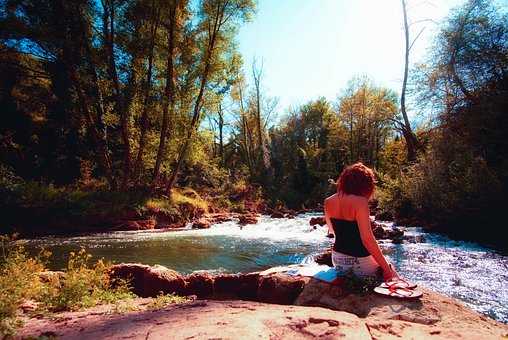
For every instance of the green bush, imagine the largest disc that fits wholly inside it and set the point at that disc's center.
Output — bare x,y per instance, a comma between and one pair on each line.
19,281
83,284
449,188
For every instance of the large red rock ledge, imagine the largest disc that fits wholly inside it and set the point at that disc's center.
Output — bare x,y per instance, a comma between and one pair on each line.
274,306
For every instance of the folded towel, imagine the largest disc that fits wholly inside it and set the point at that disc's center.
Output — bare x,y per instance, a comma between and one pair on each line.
328,275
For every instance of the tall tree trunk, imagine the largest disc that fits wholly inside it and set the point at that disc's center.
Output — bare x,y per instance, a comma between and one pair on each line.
257,83
146,94
409,136
97,124
121,108
198,103
221,139
246,140
168,99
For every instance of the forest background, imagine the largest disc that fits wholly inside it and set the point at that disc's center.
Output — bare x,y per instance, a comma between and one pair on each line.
146,107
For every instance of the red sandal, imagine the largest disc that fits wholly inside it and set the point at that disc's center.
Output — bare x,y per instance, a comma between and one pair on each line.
394,290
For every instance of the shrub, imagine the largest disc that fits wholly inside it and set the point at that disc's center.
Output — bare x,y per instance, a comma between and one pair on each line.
19,281
449,188
84,285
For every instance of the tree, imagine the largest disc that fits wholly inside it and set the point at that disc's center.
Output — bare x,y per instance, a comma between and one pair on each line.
469,52
218,21
368,112
405,126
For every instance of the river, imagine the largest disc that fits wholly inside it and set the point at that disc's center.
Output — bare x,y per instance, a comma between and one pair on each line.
467,271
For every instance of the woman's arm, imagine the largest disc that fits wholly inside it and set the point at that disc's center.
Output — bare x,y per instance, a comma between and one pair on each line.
369,241
327,217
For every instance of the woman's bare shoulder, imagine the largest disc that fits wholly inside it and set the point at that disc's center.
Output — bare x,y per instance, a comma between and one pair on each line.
331,198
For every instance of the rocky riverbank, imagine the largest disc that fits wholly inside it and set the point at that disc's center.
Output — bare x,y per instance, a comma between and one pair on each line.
274,305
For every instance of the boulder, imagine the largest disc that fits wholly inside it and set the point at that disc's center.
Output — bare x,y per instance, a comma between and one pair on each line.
52,276
395,234
149,281
199,284
303,211
414,238
219,217
381,232
291,215
378,231
280,288
384,216
248,219
242,286
28,306
201,224
317,220
146,224
347,315
320,293
277,214
432,315
324,258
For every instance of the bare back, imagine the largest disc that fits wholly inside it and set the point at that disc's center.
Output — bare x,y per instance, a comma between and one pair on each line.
344,207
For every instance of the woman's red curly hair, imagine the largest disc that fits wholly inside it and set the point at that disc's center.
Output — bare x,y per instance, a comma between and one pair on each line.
356,179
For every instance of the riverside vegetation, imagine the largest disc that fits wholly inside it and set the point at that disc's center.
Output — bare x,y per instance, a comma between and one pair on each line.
26,285
24,280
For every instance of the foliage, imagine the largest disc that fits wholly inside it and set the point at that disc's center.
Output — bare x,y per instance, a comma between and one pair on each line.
163,300
461,179
114,93
183,203
359,285
82,285
125,105
19,281
315,142
367,112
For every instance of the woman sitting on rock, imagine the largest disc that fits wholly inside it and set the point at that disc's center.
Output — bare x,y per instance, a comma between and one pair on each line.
347,217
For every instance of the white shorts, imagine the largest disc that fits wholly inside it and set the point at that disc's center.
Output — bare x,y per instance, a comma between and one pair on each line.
361,266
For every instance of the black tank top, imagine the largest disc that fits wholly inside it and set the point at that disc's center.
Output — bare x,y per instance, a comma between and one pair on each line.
347,238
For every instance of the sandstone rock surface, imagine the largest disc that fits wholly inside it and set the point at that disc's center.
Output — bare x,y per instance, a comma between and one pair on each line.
281,307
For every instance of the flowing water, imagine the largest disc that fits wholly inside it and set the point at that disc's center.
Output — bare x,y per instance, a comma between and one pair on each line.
474,274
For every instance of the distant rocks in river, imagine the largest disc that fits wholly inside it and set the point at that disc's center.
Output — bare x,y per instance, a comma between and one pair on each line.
201,224
324,258
320,220
281,213
249,218
139,225
277,214
384,216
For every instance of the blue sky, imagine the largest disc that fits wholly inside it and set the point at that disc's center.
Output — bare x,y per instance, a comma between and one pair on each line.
311,48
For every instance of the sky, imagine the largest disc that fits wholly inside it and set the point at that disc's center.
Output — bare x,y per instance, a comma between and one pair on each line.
311,48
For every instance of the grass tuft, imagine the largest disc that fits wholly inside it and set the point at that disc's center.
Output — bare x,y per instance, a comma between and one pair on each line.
163,300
